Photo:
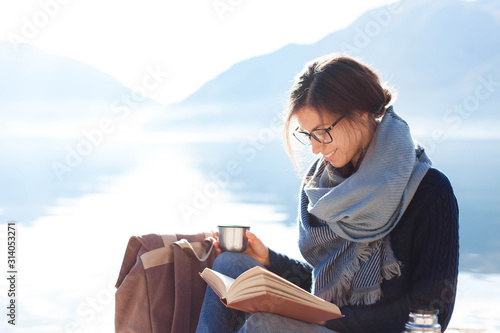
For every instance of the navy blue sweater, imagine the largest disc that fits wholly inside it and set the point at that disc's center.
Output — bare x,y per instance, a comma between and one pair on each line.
426,242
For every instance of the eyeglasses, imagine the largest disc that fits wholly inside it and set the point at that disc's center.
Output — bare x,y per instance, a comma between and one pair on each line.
320,135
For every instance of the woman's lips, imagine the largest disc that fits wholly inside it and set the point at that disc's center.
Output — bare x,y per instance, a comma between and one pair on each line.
329,157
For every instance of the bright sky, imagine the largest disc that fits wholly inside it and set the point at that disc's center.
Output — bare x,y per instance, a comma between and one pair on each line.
192,41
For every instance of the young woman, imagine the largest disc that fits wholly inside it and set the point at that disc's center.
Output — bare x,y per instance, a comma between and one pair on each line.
378,225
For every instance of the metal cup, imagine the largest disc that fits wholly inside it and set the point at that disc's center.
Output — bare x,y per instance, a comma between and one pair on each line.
232,238
422,319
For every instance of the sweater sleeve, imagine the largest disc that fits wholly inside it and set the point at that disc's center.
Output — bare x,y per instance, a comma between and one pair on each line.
433,270
295,271
435,256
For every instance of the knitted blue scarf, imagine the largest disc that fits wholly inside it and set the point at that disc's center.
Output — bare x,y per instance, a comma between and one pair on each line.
345,222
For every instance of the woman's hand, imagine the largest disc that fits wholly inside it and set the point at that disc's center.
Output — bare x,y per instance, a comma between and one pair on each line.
257,250
217,248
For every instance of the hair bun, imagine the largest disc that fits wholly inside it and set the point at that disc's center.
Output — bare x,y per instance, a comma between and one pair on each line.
388,97
387,101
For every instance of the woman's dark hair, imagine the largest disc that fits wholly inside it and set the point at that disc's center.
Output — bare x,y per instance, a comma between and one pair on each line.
336,84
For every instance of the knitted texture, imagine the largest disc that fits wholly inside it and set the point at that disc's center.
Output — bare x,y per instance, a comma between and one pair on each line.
345,221
426,243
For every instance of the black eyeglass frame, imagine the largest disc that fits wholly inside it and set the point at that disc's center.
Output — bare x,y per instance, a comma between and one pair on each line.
311,135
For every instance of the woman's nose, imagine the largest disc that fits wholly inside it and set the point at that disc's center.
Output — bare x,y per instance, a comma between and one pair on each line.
316,146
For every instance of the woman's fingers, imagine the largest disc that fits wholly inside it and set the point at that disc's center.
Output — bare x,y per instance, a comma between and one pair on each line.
256,244
217,248
257,249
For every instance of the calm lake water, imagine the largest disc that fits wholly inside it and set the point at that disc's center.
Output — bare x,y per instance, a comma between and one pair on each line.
77,229
267,177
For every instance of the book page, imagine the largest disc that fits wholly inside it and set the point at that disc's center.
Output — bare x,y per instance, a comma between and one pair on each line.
258,289
219,282
245,286
258,280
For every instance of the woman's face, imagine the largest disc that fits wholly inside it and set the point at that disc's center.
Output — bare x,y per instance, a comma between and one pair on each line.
348,139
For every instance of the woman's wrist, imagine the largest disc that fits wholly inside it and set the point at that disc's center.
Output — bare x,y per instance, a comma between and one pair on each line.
267,260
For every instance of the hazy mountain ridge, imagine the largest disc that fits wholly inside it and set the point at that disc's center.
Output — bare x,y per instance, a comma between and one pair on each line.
47,87
46,103
430,51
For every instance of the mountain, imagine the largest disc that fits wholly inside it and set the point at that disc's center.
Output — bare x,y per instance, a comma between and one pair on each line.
49,84
434,53
46,102
35,75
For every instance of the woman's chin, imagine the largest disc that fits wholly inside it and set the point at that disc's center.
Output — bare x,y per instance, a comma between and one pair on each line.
337,164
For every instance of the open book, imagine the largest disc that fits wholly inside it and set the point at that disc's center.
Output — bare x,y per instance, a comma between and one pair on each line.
261,290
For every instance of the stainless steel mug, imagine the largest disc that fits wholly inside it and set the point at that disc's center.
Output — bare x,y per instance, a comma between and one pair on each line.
422,320
232,238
